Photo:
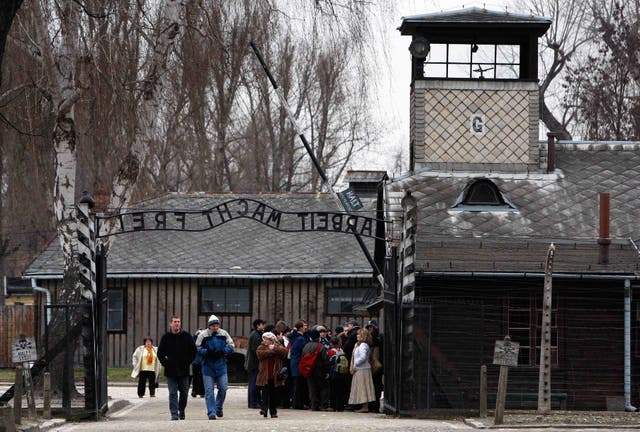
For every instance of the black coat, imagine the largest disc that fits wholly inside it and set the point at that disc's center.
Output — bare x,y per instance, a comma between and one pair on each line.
350,342
255,339
176,352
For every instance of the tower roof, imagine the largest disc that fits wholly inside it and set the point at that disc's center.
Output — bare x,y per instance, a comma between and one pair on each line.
474,18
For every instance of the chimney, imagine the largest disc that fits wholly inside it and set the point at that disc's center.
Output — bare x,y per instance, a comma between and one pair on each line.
551,152
604,241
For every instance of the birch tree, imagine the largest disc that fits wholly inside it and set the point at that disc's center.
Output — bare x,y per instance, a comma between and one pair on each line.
146,128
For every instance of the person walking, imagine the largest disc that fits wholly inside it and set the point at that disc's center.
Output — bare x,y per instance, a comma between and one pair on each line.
176,352
362,391
214,345
146,367
255,340
270,354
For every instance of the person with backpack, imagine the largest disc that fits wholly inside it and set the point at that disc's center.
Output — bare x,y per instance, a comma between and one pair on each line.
339,371
314,366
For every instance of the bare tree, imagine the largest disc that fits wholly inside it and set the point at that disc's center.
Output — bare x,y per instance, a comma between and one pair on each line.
8,10
605,88
568,34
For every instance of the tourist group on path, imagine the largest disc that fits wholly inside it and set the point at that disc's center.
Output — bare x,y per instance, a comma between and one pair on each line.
299,368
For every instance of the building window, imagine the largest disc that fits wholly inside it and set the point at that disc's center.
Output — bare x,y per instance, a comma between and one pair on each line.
340,301
473,61
524,325
231,300
116,305
482,195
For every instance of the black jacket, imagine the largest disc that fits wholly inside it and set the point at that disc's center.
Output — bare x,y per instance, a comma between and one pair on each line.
255,339
350,342
176,352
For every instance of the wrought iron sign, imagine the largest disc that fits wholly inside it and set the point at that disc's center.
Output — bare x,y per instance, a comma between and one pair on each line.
203,220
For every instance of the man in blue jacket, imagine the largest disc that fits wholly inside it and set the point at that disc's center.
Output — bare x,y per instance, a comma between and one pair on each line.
214,345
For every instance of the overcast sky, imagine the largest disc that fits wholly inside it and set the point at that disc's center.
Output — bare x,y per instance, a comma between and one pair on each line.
395,78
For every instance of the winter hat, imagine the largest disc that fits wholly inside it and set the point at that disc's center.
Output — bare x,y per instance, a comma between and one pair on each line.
314,334
372,323
268,335
339,329
321,328
213,320
353,323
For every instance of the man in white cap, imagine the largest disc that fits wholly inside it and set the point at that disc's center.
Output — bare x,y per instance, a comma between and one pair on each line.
214,345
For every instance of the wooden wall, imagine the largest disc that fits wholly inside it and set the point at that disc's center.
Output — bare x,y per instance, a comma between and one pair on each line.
151,302
14,320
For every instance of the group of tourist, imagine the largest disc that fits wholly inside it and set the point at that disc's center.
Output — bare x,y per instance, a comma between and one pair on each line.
314,368
301,368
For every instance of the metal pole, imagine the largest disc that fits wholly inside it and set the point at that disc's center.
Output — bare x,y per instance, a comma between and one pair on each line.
285,104
325,180
627,347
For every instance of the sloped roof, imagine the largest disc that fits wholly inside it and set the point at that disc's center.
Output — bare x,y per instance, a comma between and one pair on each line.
476,14
474,17
562,206
240,248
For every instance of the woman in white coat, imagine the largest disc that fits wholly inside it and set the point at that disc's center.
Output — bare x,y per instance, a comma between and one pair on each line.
146,367
362,391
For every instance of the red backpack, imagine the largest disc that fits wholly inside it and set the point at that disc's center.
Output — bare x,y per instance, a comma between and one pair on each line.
308,362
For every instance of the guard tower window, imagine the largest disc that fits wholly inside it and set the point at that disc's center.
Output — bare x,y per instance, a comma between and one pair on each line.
473,61
482,195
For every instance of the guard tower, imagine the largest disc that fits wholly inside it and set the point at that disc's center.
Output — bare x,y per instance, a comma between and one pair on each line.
474,90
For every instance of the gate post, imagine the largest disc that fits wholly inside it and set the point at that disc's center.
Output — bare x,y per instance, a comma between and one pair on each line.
407,399
101,328
87,280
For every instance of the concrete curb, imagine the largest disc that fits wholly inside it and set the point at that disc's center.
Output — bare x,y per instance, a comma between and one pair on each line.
116,405
479,424
41,426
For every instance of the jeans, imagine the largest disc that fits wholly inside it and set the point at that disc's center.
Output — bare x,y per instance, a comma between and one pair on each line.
176,384
214,406
254,393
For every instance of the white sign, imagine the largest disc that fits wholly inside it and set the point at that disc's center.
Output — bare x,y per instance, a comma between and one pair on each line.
476,124
23,349
505,353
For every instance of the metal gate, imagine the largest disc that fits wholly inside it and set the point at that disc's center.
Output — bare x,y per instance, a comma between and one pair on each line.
437,358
